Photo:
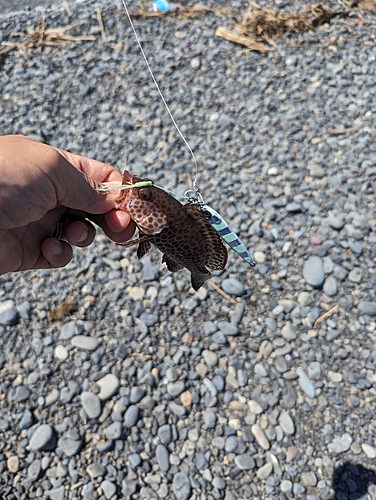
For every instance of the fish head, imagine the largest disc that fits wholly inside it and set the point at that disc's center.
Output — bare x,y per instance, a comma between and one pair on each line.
148,206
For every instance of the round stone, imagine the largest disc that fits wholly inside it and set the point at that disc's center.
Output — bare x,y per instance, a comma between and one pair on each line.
85,342
313,272
43,439
232,286
61,352
131,416
108,385
162,455
91,404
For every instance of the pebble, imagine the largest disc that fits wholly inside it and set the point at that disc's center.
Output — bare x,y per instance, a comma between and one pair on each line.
162,455
313,272
131,416
70,446
181,486
43,438
335,222
61,352
108,385
305,384
245,462
369,450
288,331
367,307
91,404
8,313
286,486
227,328
108,488
260,436
286,422
340,444
330,286
13,463
83,342
264,471
232,286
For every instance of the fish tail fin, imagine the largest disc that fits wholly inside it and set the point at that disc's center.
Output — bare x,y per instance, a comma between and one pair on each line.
198,279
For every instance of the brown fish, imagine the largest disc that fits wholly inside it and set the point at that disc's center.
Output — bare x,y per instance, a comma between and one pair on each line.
181,232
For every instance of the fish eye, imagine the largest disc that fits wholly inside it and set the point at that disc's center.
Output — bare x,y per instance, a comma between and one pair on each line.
144,193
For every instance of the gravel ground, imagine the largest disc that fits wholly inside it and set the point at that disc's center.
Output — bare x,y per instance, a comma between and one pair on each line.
117,380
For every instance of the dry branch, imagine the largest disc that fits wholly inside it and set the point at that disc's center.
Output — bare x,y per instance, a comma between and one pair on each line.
247,41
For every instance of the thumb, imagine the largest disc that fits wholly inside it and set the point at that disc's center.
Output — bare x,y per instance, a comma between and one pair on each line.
76,180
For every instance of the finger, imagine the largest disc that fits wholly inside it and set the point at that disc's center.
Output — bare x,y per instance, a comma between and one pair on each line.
57,253
80,233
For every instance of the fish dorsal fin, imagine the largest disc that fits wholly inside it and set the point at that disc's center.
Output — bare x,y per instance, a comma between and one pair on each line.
216,258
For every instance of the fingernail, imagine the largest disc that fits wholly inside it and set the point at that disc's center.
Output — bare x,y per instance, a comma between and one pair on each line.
84,234
57,248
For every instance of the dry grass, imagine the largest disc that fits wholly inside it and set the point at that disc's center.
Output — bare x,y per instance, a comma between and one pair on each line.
42,37
269,24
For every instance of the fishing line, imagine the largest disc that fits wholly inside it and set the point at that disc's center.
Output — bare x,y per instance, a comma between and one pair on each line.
195,187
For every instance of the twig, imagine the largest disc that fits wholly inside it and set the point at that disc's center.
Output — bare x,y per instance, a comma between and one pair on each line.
224,294
248,42
66,6
101,25
326,315
341,131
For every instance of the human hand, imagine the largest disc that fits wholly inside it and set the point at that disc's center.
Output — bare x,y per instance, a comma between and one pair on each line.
40,185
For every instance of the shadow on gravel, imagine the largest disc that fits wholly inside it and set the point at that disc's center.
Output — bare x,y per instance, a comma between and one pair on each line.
351,481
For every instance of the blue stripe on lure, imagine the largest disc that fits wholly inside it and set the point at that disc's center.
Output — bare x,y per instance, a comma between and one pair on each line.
227,234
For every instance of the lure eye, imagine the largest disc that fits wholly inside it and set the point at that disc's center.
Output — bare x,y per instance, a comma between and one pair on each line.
207,214
144,194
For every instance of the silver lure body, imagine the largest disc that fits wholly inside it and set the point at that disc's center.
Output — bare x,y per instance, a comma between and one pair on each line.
227,234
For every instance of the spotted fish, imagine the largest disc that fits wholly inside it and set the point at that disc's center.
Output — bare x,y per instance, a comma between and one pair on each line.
181,232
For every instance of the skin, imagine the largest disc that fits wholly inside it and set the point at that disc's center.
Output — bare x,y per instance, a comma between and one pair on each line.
40,186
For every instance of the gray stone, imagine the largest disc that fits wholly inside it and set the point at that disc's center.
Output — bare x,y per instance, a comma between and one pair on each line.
181,486
56,493
330,286
340,444
286,422
245,462
27,420
108,488
96,470
131,416
227,328
264,471
43,438
260,436
232,286
70,446
22,393
164,434
288,331
134,460
109,385
91,404
313,272
34,470
114,431
305,384
335,222
8,313
367,307
305,298
210,419
162,455
356,275
84,342
68,330
137,393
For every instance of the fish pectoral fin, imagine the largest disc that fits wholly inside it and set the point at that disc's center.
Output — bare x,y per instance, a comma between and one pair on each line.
171,263
143,248
136,241
198,279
